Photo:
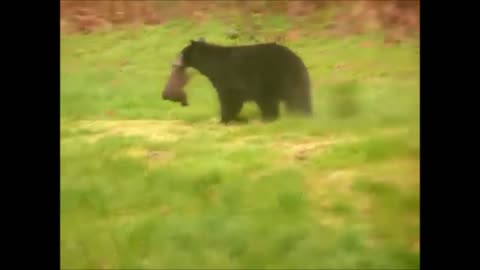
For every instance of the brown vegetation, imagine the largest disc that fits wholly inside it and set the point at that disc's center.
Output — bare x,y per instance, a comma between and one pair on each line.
399,17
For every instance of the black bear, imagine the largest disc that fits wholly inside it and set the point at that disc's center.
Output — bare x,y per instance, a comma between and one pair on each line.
264,73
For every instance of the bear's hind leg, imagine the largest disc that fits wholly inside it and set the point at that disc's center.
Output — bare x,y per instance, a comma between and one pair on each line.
299,104
269,109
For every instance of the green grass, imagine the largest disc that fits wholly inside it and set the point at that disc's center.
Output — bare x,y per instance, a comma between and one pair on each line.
148,184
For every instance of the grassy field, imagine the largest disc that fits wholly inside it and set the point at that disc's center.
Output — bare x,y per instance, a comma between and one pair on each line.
148,184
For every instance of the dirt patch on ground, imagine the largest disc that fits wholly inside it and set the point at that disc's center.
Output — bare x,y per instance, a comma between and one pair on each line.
334,181
292,149
172,130
154,130
151,157
403,174
148,154
299,149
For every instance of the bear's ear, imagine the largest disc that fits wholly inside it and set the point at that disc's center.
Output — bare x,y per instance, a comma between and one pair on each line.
197,41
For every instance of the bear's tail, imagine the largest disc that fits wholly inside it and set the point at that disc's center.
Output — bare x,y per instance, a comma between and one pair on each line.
300,102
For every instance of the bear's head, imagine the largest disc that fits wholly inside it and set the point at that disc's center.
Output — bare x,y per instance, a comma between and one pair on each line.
188,54
178,77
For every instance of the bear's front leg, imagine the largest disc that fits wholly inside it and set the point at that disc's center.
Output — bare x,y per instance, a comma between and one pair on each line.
230,107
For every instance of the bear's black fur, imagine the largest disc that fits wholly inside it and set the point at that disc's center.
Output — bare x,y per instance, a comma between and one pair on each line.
264,73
